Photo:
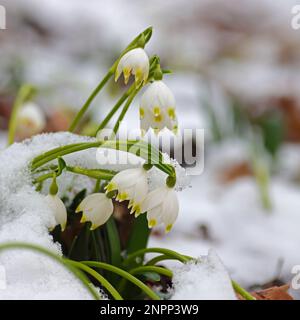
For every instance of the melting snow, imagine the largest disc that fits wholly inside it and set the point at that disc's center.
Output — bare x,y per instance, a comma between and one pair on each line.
206,279
24,216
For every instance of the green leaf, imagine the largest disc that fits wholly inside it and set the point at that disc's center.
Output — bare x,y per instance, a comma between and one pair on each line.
80,249
273,131
114,242
139,237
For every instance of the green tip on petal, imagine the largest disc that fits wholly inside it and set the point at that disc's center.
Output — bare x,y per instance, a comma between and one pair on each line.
175,130
126,73
83,219
152,223
110,187
168,228
122,196
117,75
93,227
137,214
138,76
136,209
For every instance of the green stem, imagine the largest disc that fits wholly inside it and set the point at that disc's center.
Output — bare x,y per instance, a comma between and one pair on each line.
167,252
106,284
114,109
23,95
144,269
43,177
159,270
65,262
147,34
125,275
88,102
93,173
125,109
61,151
160,258
141,148
55,150
97,185
237,288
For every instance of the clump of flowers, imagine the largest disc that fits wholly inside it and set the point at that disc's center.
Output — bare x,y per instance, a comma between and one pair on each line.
85,226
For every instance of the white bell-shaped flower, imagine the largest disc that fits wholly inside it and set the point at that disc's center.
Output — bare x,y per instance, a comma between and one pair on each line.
161,206
59,210
96,208
31,119
132,185
134,62
157,108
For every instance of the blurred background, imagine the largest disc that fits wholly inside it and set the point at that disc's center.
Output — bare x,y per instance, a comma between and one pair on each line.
236,75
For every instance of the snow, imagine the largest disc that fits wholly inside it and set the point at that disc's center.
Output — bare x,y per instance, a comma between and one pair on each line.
256,246
251,242
25,217
205,279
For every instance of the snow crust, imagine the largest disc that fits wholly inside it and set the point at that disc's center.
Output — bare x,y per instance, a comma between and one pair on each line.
25,216
205,279
256,246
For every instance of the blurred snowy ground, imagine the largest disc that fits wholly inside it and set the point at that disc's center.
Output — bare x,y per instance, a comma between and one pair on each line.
247,47
257,246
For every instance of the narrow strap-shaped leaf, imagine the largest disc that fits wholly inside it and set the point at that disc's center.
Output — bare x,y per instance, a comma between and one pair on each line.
125,275
105,283
64,262
114,242
139,237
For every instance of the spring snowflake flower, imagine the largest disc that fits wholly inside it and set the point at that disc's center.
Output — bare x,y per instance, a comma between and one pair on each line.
31,119
157,108
136,62
161,206
59,210
132,185
96,208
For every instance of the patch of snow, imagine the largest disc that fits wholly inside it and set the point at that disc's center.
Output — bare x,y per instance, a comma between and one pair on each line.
205,279
256,246
25,217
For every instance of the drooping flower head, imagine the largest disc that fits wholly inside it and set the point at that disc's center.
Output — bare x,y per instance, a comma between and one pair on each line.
157,108
134,62
59,210
131,185
161,206
96,208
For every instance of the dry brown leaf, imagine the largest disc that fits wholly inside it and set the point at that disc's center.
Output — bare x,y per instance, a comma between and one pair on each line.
273,293
235,172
